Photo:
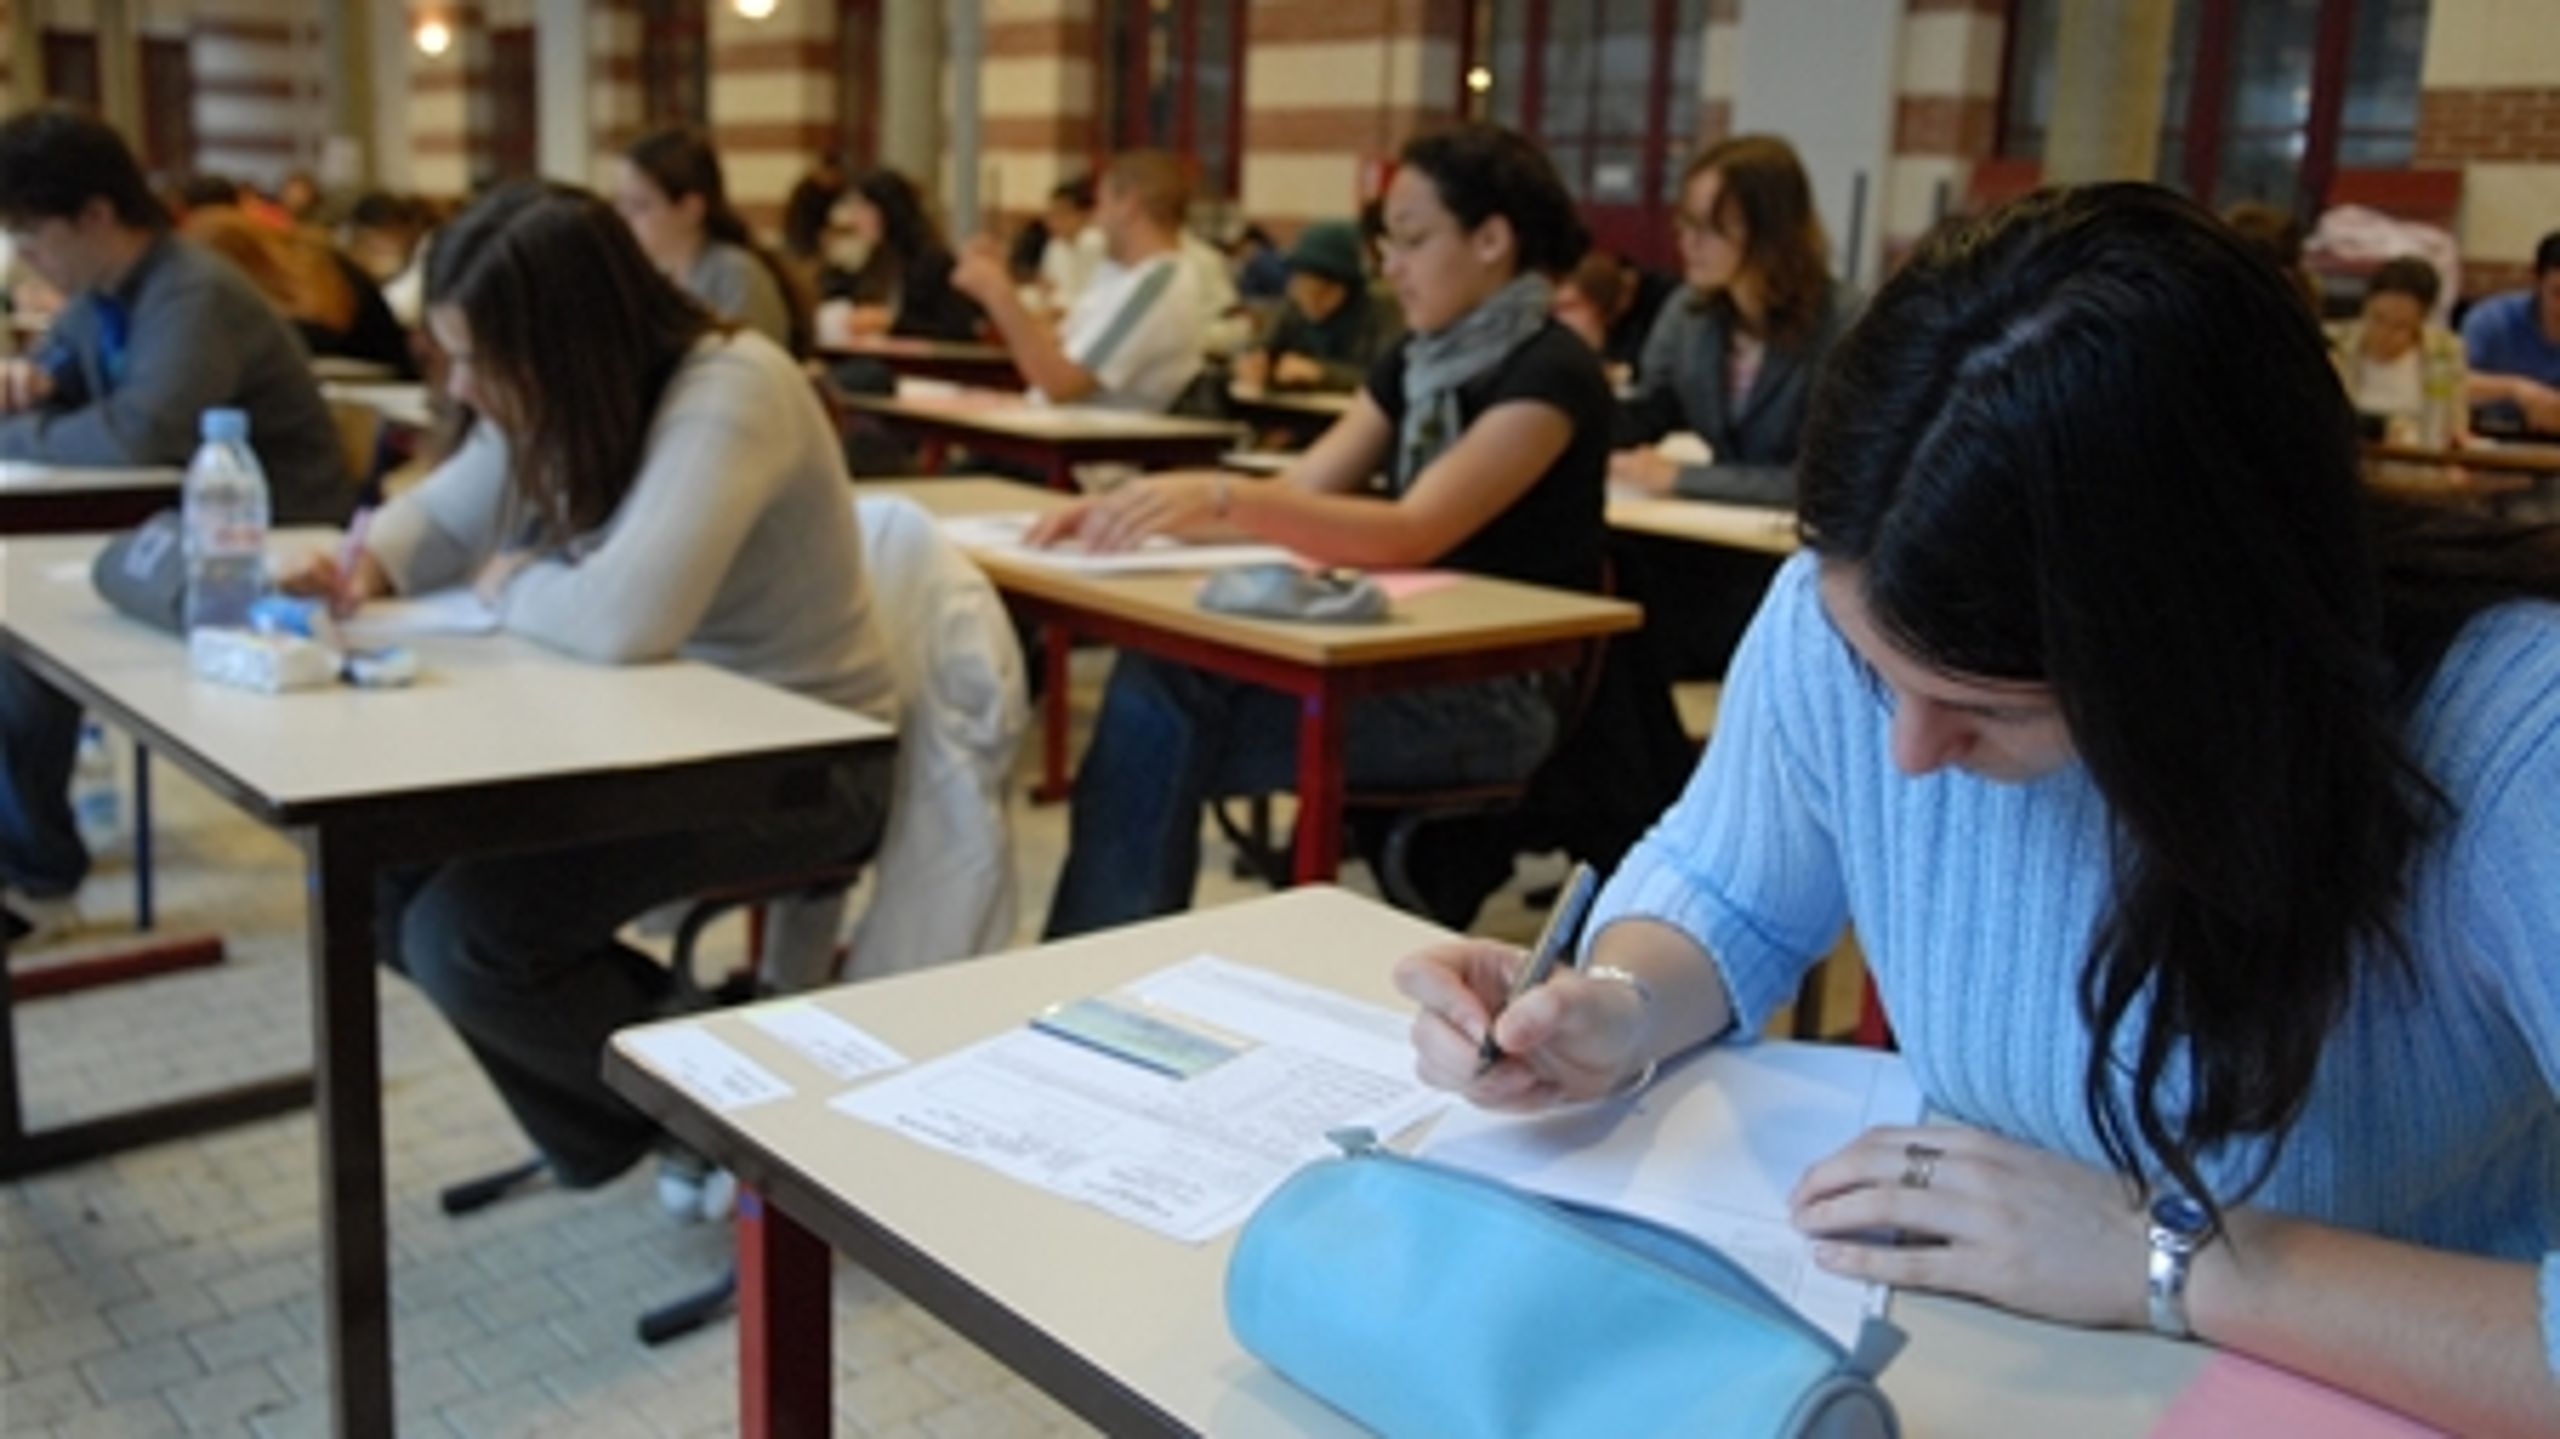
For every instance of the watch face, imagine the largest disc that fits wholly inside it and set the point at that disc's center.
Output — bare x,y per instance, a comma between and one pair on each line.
2179,1215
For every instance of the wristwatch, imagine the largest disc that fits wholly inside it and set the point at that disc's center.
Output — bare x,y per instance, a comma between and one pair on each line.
2179,1227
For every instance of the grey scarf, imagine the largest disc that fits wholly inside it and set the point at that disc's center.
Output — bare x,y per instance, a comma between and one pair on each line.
1438,364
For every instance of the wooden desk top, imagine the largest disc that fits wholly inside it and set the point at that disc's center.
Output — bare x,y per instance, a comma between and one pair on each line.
402,402
2495,457
910,347
487,710
1469,614
996,412
1087,1301
1327,404
26,477
1710,522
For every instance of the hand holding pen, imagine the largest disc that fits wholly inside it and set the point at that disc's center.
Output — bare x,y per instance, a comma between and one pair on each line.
1555,942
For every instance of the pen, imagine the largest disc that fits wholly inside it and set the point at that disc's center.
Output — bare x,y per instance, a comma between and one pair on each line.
1553,941
350,555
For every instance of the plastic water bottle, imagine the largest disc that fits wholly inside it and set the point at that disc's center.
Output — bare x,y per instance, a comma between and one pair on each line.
2435,411
226,524
97,800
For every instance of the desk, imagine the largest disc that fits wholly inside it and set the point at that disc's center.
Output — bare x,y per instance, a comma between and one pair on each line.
365,778
1706,522
39,499
962,362
1051,439
341,369
399,402
1474,628
1303,414
2492,458
1126,1327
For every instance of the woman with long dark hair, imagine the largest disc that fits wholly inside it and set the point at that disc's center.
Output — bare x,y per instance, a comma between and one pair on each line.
888,257
638,482
676,200
2198,813
1490,422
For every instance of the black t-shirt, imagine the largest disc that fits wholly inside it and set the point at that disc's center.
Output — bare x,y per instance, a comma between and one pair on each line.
1555,533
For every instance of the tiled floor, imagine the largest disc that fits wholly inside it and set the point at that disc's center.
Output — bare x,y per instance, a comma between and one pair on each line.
175,1289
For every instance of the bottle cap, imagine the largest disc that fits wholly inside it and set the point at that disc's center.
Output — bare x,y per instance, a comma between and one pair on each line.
227,425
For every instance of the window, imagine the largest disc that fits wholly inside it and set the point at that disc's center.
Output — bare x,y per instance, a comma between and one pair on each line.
513,115
2265,100
675,52
71,67
1169,74
168,105
1610,89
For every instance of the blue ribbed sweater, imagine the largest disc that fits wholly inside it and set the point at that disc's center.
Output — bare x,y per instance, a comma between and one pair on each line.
2433,1117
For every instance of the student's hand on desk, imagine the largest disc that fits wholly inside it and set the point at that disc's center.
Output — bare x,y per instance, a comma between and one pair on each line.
494,577
1296,369
1571,1038
318,577
1158,505
23,386
1995,1220
1644,468
2541,406
981,274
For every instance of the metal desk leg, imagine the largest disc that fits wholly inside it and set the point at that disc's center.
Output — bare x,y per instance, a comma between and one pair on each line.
786,1359
1320,784
346,1050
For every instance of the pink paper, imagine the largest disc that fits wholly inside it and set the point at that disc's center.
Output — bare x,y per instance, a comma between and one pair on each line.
1405,584
2236,1398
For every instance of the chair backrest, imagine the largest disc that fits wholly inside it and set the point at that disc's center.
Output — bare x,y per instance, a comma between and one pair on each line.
943,887
359,439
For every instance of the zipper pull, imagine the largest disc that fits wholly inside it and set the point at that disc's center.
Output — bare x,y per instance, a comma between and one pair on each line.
1355,1141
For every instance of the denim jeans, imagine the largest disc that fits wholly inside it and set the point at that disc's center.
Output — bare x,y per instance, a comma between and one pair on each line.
40,849
1172,737
519,953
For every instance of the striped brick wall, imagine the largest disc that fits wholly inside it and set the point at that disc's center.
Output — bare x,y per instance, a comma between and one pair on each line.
2489,105
1036,120
1719,70
449,112
261,86
1946,111
613,82
8,57
1330,86
773,101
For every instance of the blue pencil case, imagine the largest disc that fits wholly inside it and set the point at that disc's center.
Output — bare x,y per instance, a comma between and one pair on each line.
1423,1300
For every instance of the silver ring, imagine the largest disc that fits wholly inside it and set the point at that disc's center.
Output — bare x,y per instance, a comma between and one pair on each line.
1920,1164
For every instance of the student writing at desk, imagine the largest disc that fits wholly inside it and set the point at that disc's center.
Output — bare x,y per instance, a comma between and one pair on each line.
638,482
1492,422
157,331
2195,809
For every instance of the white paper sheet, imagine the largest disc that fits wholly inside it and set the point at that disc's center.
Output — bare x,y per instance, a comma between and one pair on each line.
710,1069
1188,1158
844,1050
438,612
1713,1149
1161,553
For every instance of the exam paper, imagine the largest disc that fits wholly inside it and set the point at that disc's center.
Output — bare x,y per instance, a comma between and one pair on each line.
1187,1158
1158,553
1713,1149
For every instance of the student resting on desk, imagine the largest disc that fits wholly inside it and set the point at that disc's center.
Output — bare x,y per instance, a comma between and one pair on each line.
1331,330
1490,421
672,194
2198,812
2514,343
157,331
1132,339
582,506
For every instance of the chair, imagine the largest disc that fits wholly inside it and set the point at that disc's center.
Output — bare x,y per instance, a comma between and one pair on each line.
942,886
360,429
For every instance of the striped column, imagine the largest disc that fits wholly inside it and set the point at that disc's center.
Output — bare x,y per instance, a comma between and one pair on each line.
1036,122
449,113
773,100
1329,87
1718,71
8,56
613,82
1946,112
2489,105
261,87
